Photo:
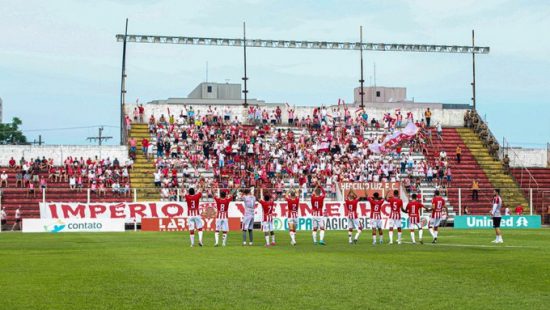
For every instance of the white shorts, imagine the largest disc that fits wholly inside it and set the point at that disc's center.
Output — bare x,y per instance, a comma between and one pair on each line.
248,222
195,222
293,220
354,224
318,222
222,225
415,222
267,226
435,222
396,223
376,224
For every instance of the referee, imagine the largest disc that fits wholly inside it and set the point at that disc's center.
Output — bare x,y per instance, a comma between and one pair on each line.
495,213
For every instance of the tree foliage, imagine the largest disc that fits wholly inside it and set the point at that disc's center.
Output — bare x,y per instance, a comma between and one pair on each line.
11,134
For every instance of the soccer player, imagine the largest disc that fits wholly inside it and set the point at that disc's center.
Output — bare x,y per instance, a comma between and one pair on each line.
293,203
376,203
317,203
495,213
413,209
350,205
396,204
248,219
438,204
268,207
194,218
222,206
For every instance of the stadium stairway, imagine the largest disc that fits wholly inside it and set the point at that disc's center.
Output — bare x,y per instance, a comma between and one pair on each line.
141,176
463,173
537,179
510,191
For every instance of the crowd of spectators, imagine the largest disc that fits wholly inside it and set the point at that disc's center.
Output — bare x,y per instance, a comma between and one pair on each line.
99,175
215,150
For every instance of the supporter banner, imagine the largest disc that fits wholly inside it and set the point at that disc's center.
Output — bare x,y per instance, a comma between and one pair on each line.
516,222
174,214
367,189
340,223
73,225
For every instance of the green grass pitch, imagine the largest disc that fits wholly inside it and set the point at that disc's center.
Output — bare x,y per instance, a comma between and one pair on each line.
139,270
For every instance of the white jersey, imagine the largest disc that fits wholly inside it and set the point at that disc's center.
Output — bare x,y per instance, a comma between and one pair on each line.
249,204
497,205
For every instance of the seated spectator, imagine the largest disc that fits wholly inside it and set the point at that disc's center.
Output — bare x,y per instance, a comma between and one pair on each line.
519,210
11,163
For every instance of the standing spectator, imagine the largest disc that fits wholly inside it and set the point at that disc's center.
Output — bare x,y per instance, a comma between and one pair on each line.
475,190
17,219
439,131
518,210
141,112
458,153
467,211
3,218
132,143
506,211
428,116
4,179
495,214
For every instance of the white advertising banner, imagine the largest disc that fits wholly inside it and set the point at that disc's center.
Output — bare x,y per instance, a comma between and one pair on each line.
72,225
130,211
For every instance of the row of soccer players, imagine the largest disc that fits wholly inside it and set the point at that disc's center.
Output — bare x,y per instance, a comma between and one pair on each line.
413,209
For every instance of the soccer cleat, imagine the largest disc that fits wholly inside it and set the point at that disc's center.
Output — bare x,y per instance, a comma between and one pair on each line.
250,243
421,242
223,244
413,242
381,241
314,242
267,245
391,242
273,243
494,241
435,240
244,243
192,245
398,241
322,242
216,245
293,243
374,243
200,243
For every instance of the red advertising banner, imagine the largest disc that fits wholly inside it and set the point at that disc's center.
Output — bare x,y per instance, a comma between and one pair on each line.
180,224
367,189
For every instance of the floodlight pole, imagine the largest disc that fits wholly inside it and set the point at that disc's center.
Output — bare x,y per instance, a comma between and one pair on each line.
362,81
123,86
473,73
245,78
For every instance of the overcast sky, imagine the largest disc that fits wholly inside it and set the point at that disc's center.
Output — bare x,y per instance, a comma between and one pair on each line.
60,64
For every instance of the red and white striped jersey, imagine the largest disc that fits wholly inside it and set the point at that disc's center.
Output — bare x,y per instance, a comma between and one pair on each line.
413,209
293,207
395,204
268,209
222,206
437,207
376,208
193,204
351,208
317,203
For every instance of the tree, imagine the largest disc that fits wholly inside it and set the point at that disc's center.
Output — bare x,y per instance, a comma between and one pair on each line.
11,134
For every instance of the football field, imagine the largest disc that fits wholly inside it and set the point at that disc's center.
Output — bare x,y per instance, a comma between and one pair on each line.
140,270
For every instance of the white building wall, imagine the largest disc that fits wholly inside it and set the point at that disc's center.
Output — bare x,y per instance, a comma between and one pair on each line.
59,152
520,157
447,117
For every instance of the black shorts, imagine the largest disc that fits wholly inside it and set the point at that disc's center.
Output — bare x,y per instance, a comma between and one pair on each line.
496,222
4,222
18,220
226,117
